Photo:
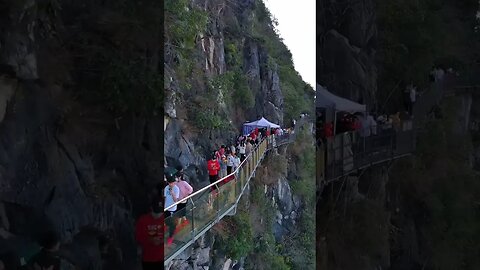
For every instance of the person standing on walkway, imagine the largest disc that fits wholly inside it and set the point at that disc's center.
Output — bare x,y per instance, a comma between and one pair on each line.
413,98
248,148
171,195
223,166
236,162
242,151
149,234
213,167
185,191
230,162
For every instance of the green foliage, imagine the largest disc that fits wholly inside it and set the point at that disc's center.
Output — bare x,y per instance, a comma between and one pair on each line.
209,119
445,191
242,243
183,22
232,54
242,94
415,35
127,87
303,152
266,254
301,254
298,95
222,85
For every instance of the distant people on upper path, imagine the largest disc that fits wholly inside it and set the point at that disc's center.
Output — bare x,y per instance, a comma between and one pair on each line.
436,74
149,234
412,97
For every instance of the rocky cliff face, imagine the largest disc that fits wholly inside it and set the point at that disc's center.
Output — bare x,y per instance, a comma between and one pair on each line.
388,218
229,44
346,47
67,162
347,40
183,144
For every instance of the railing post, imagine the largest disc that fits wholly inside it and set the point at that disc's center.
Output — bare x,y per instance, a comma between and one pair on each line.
193,219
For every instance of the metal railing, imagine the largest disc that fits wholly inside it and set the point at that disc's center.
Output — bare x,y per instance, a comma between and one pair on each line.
207,206
349,152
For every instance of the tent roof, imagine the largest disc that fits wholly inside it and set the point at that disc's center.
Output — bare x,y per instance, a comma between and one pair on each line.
325,99
262,123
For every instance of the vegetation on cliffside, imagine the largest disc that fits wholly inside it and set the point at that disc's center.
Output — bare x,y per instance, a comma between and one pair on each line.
415,35
224,62
441,195
253,225
189,26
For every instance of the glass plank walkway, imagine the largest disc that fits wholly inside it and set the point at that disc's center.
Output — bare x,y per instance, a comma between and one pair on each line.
207,207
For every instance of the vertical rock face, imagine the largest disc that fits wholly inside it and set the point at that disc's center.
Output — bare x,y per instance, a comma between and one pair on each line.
67,164
346,46
346,37
264,82
191,149
18,38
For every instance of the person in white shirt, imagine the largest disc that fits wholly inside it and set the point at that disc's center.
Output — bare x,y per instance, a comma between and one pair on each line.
373,124
236,162
413,98
230,162
171,195
241,150
440,74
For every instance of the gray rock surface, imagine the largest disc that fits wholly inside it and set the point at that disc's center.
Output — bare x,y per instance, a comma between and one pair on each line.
347,37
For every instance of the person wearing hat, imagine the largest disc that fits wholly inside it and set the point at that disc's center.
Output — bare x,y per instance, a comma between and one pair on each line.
171,195
149,234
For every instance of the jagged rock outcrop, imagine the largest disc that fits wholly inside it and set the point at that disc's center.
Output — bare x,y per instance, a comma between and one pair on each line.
288,208
264,82
346,37
80,170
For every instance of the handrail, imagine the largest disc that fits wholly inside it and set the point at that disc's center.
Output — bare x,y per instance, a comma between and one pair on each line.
210,210
218,181
235,171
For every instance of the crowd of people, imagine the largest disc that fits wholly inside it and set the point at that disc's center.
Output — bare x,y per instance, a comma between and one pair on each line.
171,194
151,227
226,159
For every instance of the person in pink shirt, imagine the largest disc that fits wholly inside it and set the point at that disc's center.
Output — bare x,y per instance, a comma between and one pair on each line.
185,190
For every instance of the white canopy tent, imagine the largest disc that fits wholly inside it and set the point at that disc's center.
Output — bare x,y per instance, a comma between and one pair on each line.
261,123
327,100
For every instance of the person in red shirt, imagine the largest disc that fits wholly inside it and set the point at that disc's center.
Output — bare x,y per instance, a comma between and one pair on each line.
253,136
149,234
221,151
329,130
213,167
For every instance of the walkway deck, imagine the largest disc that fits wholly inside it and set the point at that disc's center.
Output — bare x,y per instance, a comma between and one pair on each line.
205,209
348,153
